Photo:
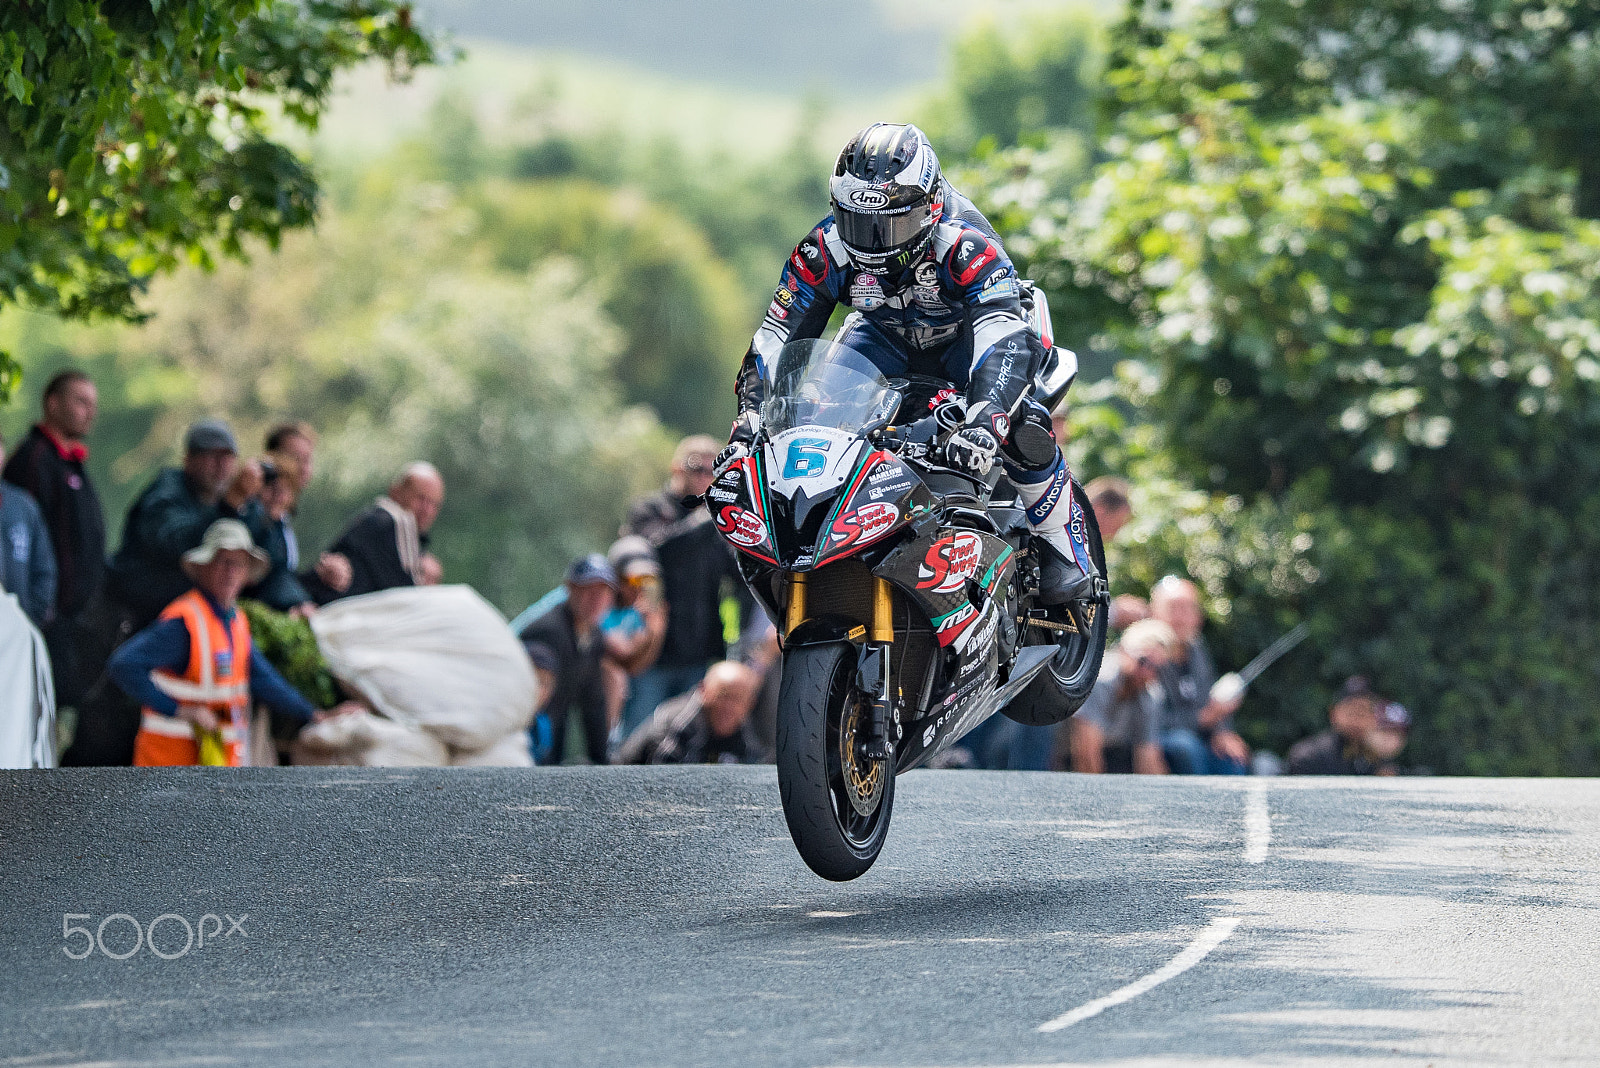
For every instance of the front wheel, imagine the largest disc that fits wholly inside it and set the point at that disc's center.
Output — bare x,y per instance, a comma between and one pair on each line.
835,800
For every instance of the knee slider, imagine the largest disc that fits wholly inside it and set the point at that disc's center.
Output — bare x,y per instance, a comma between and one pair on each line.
1032,445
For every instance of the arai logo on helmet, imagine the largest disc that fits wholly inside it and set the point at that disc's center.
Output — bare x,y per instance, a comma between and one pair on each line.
871,199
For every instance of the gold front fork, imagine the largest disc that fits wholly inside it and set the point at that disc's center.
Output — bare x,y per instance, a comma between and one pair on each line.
796,612
882,611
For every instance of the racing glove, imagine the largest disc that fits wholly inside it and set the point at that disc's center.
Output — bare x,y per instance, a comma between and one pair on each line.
973,447
744,432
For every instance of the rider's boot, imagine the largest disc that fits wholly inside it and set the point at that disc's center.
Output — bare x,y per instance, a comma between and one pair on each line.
1066,570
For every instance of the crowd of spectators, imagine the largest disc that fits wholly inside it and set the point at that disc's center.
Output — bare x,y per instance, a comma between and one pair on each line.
651,653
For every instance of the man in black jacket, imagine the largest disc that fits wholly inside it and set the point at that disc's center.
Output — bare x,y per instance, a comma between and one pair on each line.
696,565
386,545
50,464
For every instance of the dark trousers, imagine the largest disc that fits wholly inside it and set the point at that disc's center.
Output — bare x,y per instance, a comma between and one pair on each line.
108,719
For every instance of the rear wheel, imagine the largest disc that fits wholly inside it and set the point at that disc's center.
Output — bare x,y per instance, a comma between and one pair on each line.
836,801
1061,688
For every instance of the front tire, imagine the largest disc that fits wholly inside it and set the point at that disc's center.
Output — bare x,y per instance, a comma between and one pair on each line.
1065,683
836,802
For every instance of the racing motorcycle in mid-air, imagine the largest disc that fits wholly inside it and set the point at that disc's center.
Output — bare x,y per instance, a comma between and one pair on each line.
905,590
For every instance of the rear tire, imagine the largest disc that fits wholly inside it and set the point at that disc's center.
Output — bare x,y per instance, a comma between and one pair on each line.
1066,682
837,803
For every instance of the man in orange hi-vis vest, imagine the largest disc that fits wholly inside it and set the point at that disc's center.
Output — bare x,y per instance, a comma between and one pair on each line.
195,670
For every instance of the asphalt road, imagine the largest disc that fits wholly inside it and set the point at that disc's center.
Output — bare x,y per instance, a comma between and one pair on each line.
660,916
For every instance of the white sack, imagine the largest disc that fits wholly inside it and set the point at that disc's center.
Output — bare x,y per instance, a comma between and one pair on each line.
509,752
440,658
27,695
370,741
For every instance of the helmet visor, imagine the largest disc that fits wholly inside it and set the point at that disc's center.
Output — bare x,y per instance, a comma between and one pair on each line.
880,232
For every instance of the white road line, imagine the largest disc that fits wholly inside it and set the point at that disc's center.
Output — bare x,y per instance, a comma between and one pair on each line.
1209,939
1257,823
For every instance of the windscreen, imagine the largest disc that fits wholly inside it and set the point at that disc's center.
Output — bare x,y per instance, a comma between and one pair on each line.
819,383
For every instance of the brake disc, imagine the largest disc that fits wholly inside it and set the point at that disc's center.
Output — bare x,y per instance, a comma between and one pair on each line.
863,778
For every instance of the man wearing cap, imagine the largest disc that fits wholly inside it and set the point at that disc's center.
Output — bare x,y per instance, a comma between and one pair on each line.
566,648
195,670
1365,734
696,566
173,513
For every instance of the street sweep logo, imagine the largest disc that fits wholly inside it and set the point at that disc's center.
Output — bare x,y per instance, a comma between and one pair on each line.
168,936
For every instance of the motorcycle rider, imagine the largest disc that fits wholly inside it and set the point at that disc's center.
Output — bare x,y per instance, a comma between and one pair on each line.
933,294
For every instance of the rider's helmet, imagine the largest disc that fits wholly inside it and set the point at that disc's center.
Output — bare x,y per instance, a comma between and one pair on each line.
886,196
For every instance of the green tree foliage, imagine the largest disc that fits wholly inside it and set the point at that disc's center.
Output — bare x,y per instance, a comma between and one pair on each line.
393,330
138,134
1364,298
1018,84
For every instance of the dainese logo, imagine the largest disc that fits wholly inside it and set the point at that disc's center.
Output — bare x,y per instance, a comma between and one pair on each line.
950,561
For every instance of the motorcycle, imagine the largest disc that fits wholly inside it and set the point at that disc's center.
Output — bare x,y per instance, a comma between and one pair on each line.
905,590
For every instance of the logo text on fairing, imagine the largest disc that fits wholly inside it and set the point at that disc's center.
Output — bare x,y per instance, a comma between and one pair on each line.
741,527
950,561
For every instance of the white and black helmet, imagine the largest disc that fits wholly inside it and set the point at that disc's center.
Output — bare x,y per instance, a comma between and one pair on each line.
886,195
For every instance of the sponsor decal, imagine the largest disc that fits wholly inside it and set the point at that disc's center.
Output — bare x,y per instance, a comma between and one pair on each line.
1001,424
947,628
809,261
927,735
892,490
998,288
783,296
946,394
870,199
864,524
972,255
791,285
777,311
1041,509
865,292
982,636
741,527
927,274
950,561
716,493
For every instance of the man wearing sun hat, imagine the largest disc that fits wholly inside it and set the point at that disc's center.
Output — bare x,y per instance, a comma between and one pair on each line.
195,670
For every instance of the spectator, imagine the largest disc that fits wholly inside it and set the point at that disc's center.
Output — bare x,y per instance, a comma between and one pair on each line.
635,628
708,725
295,440
50,464
269,521
1364,736
1018,746
195,670
1110,498
1126,609
695,563
384,547
27,563
566,649
171,516
1197,735
1118,729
